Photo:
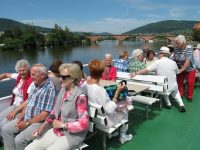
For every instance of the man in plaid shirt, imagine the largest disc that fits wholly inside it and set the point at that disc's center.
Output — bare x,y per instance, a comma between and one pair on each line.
122,63
137,64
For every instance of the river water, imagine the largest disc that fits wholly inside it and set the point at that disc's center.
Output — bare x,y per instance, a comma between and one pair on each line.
46,56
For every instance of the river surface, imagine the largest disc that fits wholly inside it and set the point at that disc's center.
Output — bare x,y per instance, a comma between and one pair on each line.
46,56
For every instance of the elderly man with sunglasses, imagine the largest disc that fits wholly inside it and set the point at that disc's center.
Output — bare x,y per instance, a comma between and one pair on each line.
18,132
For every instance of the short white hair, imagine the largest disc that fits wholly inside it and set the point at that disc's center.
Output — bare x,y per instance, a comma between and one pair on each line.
22,63
41,68
136,52
107,55
180,38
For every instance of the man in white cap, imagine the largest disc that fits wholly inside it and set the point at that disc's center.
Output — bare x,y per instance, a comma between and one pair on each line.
164,66
137,63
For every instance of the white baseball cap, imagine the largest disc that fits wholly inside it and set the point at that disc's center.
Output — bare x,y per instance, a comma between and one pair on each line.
164,49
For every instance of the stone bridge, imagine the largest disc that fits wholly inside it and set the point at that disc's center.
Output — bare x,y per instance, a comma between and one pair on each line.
146,38
94,38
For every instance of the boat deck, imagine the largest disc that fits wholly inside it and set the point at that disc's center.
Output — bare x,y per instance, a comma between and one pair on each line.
164,130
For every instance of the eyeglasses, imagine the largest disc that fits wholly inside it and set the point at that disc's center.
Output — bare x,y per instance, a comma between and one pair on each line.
64,77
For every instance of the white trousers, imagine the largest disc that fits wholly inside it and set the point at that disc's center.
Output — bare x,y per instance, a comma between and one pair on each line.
173,91
49,141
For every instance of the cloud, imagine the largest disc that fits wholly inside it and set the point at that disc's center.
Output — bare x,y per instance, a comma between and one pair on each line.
153,16
111,25
176,13
144,5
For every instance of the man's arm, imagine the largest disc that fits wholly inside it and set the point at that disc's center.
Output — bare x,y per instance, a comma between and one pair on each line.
143,71
38,118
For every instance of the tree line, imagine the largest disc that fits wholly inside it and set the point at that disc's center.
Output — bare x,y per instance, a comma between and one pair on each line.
16,38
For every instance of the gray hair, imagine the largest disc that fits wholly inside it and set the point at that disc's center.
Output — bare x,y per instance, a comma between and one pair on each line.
73,70
107,55
21,64
180,38
41,68
136,52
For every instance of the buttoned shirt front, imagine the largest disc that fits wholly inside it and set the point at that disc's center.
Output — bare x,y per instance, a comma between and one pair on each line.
40,99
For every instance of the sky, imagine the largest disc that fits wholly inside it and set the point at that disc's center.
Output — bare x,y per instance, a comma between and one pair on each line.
113,16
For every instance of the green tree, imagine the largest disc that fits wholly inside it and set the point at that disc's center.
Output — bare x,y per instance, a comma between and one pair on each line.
196,35
56,36
11,43
17,32
32,38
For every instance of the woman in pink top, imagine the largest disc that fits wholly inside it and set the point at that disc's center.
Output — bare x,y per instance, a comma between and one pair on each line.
110,71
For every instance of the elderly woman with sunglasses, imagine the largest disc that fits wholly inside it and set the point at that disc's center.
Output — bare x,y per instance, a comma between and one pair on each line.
69,117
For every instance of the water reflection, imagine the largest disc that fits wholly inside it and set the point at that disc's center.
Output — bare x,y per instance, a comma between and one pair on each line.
85,54
59,53
94,45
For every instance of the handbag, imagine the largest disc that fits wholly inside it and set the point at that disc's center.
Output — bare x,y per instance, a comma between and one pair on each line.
111,89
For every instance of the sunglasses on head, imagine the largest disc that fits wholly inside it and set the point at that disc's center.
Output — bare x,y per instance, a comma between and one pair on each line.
64,77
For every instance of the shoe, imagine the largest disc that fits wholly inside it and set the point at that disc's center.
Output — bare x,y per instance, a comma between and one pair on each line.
189,99
113,135
168,106
125,138
182,109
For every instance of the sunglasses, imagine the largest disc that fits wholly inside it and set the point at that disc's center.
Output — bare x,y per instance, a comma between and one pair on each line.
64,77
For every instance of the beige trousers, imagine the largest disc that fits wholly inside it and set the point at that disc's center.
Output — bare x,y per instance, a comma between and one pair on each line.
49,141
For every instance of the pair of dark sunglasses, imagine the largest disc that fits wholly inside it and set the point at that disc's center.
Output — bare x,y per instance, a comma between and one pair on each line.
64,77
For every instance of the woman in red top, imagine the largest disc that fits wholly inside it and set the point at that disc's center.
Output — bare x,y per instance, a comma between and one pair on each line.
110,71
21,90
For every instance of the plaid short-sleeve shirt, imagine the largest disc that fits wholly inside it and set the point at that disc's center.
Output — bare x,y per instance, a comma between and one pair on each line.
41,99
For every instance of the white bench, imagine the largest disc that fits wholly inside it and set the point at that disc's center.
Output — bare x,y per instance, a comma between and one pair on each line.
147,101
98,115
157,86
154,82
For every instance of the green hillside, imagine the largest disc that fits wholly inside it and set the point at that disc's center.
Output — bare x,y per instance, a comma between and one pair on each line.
6,24
168,26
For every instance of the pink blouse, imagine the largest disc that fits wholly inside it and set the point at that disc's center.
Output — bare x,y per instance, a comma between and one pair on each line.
82,122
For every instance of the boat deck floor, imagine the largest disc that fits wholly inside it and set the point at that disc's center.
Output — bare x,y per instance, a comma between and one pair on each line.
164,130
